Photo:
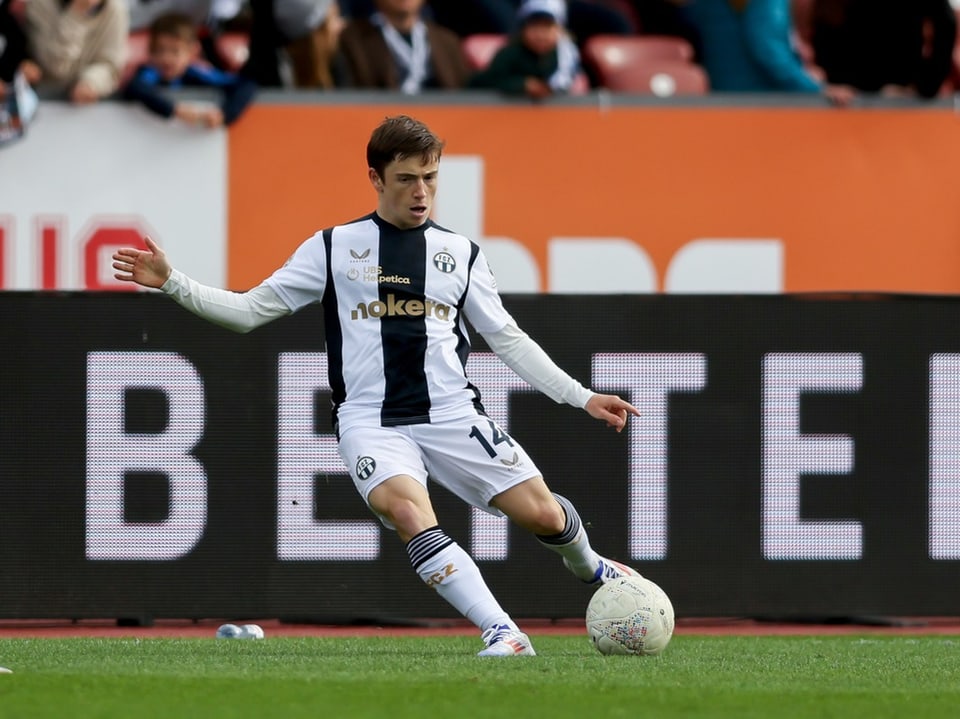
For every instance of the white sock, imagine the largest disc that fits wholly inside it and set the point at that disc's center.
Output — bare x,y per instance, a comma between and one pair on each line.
445,566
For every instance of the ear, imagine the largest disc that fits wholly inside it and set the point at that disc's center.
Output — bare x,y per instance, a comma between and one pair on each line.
375,179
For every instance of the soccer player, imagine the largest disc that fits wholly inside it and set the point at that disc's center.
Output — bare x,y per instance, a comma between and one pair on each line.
396,290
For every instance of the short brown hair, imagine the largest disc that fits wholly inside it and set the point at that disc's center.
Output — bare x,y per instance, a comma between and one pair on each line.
400,137
173,24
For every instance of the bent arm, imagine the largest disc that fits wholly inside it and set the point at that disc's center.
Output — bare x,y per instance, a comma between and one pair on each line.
531,362
237,311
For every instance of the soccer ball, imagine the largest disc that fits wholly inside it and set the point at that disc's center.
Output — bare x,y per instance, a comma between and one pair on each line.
251,631
228,631
630,615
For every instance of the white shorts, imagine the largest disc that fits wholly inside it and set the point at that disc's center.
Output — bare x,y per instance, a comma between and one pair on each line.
472,457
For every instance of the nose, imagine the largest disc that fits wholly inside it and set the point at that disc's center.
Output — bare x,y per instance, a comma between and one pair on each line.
420,188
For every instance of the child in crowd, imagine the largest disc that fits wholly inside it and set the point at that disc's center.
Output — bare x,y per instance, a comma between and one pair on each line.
540,61
174,64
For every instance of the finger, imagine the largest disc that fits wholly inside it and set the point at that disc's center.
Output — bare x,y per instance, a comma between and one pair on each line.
126,254
627,407
151,245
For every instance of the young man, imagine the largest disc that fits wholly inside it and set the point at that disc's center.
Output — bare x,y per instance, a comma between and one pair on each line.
397,347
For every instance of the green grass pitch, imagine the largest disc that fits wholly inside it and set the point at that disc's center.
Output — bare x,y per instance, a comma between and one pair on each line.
847,677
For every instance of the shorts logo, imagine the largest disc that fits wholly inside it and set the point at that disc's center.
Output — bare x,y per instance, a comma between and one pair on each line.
365,467
444,262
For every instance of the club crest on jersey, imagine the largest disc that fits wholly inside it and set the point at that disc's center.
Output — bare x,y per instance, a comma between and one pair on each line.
365,467
444,262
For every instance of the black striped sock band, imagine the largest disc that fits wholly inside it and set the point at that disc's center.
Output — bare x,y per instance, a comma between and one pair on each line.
570,530
426,544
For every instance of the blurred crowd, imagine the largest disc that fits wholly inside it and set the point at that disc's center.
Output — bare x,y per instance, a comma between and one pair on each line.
141,50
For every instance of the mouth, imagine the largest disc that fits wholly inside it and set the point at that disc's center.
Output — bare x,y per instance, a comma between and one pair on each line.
419,210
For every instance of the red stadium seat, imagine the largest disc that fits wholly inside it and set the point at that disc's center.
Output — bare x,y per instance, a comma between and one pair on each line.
647,64
18,8
233,49
480,48
614,51
663,78
138,51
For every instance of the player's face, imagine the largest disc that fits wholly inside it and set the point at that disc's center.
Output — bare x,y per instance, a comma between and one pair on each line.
406,190
171,56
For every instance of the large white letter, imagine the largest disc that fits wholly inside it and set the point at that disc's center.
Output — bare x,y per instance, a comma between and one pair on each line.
649,379
787,455
112,452
944,538
717,266
599,265
301,455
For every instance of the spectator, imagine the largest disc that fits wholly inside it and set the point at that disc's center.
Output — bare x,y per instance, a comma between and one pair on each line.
174,49
540,60
210,17
747,46
396,48
13,47
294,43
80,46
892,47
17,101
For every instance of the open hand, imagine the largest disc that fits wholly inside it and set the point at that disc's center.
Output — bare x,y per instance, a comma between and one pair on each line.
145,267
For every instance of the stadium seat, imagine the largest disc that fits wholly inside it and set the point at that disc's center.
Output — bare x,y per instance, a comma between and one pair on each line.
233,49
616,51
18,8
663,78
480,48
138,50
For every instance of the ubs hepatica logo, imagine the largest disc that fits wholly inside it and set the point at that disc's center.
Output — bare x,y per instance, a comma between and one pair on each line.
444,262
365,467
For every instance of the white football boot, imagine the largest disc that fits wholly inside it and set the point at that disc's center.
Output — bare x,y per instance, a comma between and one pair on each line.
608,569
504,641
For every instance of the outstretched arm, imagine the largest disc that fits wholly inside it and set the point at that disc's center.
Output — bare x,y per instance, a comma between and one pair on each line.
237,311
531,362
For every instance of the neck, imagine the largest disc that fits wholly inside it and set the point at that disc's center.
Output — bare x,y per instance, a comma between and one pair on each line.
402,21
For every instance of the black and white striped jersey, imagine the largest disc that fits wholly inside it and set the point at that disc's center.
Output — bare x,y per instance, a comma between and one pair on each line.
394,306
